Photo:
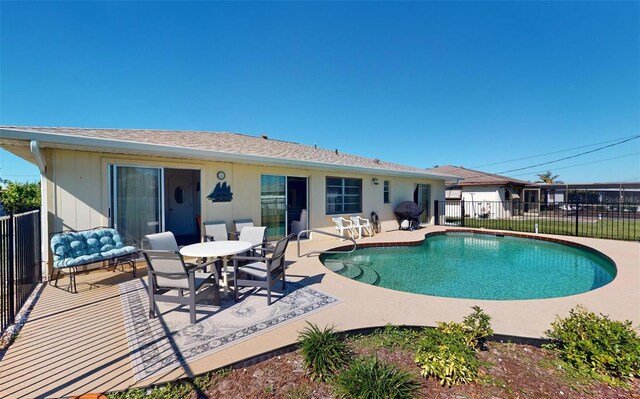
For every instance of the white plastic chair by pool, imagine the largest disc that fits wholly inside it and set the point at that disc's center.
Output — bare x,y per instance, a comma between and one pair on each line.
343,224
361,224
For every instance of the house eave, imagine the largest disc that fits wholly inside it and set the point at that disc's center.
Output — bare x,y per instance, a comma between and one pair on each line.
92,144
493,183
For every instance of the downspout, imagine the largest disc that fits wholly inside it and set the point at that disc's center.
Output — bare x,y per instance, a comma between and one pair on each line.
36,151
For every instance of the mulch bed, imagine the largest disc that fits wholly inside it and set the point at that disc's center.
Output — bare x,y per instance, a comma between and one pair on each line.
508,371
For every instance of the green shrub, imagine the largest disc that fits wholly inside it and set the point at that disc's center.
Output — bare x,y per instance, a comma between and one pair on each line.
479,328
596,344
370,378
324,353
447,353
20,197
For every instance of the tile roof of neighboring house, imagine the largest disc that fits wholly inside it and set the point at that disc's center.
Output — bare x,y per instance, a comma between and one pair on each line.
474,177
231,143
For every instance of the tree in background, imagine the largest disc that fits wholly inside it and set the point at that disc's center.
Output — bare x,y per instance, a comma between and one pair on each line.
548,178
20,197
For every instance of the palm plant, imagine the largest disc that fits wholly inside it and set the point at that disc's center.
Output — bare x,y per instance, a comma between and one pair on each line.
548,178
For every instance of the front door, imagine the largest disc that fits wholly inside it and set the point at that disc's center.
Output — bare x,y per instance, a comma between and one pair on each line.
180,219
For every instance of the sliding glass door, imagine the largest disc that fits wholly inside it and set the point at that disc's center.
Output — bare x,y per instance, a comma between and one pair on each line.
282,201
422,197
273,204
136,201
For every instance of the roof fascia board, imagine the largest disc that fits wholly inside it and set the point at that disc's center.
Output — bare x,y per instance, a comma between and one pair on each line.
182,152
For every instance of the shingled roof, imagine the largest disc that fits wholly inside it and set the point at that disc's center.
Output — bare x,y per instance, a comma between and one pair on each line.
474,177
223,143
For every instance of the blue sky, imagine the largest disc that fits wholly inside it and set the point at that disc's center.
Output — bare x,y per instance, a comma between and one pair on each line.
419,83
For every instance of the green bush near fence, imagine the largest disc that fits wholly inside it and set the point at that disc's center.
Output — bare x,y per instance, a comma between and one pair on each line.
20,197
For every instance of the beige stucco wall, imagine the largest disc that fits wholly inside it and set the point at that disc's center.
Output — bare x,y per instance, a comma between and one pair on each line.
78,192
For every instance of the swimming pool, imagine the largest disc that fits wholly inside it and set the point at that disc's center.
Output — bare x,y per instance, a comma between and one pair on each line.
478,266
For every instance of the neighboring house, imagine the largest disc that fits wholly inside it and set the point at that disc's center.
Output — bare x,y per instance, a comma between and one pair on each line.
145,181
488,195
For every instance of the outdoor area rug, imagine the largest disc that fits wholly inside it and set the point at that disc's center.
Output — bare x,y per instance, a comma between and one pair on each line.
160,345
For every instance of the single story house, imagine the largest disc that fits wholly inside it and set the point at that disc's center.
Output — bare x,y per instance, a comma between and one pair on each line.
146,181
486,194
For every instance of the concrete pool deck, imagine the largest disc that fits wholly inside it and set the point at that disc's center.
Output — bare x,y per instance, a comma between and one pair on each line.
76,343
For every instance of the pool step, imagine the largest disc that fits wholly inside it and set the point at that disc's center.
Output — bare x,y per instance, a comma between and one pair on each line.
334,265
369,276
361,271
351,271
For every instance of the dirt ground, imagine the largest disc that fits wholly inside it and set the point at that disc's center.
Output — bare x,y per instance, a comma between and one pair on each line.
509,371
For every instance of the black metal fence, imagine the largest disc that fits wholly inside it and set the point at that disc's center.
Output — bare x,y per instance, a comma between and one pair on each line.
618,221
20,265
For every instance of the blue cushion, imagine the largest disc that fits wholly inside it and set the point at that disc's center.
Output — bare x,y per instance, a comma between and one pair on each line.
84,247
77,261
114,253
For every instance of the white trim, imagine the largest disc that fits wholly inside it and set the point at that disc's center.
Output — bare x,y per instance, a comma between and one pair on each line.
130,147
36,151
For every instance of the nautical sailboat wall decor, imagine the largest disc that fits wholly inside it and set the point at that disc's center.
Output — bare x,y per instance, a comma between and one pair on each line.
221,193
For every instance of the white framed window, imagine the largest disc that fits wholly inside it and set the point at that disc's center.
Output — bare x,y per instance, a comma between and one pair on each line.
344,195
387,190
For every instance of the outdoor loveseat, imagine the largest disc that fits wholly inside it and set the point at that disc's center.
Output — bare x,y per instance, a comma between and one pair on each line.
79,248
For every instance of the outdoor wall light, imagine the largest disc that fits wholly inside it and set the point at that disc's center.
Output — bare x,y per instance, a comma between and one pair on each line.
374,181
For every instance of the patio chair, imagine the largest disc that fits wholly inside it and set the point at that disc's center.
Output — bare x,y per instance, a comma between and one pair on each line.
263,271
215,231
165,241
241,224
257,236
361,224
298,225
168,272
343,225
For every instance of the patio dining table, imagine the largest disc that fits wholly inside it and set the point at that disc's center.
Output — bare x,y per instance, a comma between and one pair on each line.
217,249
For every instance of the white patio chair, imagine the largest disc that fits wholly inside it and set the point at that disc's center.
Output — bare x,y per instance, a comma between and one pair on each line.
214,231
361,224
167,271
343,225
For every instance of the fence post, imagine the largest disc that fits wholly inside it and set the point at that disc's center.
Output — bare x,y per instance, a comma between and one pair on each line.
11,271
577,217
436,204
462,213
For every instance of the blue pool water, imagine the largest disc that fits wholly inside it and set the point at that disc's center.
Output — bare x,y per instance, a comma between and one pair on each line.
478,266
